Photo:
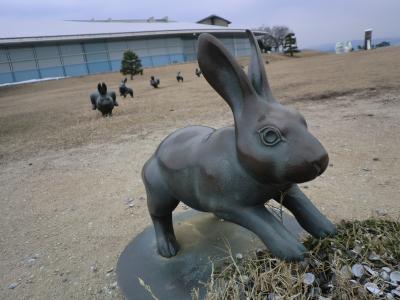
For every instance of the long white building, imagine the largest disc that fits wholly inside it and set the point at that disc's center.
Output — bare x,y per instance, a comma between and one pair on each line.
42,49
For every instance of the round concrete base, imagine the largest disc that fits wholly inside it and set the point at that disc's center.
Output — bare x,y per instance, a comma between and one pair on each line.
203,238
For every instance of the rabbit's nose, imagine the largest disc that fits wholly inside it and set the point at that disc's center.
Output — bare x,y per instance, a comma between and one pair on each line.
321,163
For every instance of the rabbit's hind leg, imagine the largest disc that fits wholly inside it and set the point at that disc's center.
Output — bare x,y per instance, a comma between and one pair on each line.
160,205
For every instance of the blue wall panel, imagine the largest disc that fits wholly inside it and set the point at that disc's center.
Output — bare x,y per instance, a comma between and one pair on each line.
190,57
26,75
116,65
147,62
52,72
6,78
99,67
160,60
76,70
177,58
91,57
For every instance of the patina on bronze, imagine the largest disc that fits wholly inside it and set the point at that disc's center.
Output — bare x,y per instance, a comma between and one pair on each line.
233,171
103,101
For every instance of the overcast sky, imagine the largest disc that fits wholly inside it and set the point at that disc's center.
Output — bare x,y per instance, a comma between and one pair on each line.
314,21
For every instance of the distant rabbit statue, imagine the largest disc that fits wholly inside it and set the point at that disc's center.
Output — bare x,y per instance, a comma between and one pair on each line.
124,90
197,72
179,77
233,171
154,82
103,101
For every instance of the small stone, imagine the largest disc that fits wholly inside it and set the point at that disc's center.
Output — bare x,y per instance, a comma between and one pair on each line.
370,271
384,275
395,276
373,288
386,269
345,272
13,285
259,251
239,256
93,268
114,285
357,249
389,296
245,279
366,169
64,279
107,290
110,270
381,211
357,270
131,205
373,256
309,278
375,159
273,296
354,282
31,259
128,200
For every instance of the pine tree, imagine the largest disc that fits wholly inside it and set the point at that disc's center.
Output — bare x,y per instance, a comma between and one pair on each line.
290,44
131,64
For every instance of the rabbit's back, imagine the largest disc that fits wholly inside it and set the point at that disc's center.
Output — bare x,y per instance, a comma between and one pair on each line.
180,149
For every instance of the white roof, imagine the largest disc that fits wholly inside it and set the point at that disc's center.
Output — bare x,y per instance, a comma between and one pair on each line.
34,31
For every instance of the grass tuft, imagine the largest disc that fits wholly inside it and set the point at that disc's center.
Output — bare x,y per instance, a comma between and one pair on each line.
261,276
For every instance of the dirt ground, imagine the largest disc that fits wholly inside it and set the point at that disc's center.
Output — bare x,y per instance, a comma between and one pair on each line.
71,195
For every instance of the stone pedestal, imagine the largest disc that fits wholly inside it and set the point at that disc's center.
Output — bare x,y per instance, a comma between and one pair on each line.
202,237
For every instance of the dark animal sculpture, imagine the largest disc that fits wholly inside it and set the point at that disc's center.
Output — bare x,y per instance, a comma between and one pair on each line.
197,72
154,82
124,90
179,77
103,101
233,171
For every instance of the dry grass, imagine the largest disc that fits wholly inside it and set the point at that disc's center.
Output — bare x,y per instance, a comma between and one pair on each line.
260,276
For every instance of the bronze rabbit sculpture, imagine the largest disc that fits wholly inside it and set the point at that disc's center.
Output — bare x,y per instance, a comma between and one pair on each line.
233,171
103,100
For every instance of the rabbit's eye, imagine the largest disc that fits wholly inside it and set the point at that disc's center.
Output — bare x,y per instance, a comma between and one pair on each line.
270,136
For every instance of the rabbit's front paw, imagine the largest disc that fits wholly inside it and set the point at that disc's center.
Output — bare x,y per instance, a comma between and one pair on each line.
167,246
324,229
293,252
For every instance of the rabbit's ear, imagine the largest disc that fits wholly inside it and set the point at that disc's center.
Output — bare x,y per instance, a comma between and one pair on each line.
256,71
223,73
104,88
99,88
125,80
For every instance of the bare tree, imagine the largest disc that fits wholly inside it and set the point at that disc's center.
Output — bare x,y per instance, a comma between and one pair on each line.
274,36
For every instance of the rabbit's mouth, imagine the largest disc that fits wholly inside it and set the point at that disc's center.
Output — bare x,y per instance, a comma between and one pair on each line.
304,173
317,169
